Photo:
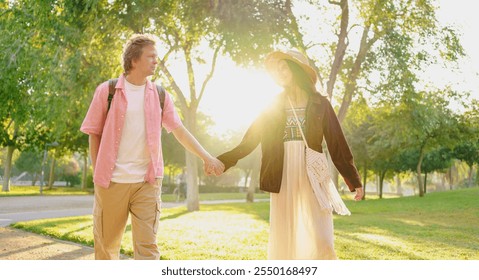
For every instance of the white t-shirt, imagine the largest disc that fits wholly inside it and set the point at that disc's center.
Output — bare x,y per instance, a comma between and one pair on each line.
133,157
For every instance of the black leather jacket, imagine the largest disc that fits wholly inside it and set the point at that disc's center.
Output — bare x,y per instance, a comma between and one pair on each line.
268,129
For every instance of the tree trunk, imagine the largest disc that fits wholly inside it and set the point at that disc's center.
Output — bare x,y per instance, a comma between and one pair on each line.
443,179
51,178
419,172
254,183
250,194
469,179
425,183
351,84
192,189
381,183
189,112
365,175
251,188
84,179
398,185
340,49
34,178
247,172
449,177
248,186
296,38
8,169
377,184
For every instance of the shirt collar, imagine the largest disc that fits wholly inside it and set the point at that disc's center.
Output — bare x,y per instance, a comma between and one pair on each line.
121,83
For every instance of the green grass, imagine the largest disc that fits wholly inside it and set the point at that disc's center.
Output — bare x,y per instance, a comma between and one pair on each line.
443,225
216,196
35,190
438,226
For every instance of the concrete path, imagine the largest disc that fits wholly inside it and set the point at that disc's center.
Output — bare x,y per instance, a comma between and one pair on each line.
21,245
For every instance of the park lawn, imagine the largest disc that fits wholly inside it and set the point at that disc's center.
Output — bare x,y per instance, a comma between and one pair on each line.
438,226
216,196
35,190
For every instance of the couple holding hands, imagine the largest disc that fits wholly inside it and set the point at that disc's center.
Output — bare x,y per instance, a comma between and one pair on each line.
125,150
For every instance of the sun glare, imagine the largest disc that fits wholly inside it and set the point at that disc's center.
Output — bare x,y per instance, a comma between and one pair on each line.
236,96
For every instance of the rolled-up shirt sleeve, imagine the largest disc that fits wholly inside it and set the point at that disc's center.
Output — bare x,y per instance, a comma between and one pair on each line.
96,115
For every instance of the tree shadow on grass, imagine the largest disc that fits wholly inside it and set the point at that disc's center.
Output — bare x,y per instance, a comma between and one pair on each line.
173,216
410,236
43,227
368,248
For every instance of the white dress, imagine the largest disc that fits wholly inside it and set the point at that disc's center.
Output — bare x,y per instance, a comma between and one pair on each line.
299,229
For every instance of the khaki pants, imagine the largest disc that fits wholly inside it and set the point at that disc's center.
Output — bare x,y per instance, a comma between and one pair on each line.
110,214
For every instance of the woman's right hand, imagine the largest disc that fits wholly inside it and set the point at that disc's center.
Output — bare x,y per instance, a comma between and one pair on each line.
359,194
213,166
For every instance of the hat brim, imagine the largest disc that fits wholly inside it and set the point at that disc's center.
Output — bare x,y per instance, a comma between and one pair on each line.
273,58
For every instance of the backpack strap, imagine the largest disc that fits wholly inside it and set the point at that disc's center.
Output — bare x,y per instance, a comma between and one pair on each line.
111,92
162,94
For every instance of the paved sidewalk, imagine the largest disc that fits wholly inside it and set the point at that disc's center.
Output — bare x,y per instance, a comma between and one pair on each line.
21,245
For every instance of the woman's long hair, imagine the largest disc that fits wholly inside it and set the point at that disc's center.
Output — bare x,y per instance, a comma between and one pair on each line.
301,78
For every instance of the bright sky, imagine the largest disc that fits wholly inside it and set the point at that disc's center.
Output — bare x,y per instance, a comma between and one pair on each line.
462,14
235,96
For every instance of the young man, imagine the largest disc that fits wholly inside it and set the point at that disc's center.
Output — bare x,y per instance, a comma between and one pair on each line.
125,150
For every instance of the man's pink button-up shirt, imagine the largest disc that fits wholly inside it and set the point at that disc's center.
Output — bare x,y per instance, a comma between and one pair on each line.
109,126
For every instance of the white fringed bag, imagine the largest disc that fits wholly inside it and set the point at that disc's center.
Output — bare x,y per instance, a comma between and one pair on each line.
320,178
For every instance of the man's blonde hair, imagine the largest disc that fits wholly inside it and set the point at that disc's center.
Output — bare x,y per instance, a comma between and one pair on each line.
134,48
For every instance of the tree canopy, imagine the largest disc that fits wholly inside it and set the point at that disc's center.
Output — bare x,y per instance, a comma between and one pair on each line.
370,57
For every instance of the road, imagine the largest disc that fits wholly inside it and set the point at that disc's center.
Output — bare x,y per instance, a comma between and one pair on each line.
27,208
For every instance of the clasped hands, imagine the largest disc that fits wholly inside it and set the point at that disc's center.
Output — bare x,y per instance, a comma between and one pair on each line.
213,166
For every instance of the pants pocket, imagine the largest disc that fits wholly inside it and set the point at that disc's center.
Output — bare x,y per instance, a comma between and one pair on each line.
157,217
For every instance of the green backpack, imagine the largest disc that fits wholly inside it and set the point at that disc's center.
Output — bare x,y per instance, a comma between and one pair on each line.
111,92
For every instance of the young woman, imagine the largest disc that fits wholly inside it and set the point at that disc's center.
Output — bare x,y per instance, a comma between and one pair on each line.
300,226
